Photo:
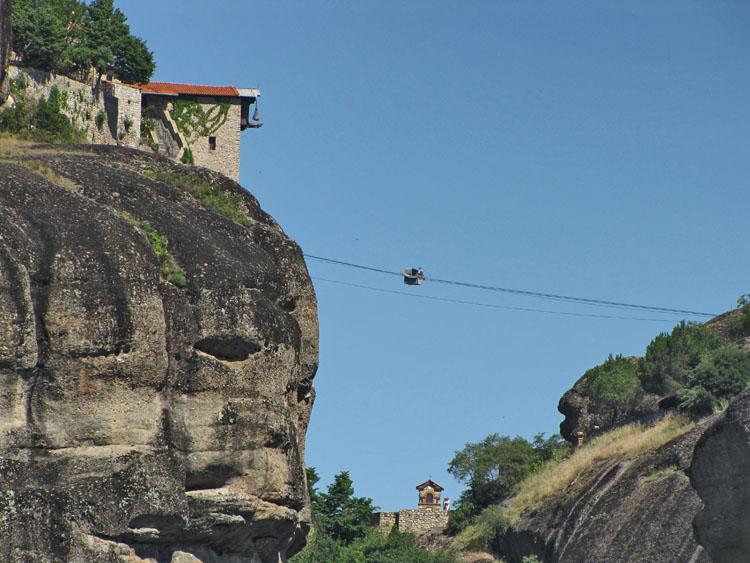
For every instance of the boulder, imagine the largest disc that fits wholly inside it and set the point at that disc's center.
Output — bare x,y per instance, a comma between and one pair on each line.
139,419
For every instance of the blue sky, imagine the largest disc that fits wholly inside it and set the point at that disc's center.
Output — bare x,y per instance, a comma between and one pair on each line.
596,149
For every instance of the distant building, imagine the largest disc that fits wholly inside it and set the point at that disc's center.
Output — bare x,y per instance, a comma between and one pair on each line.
195,124
199,124
427,516
429,495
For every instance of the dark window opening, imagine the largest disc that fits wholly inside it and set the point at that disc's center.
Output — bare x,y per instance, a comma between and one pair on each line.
212,143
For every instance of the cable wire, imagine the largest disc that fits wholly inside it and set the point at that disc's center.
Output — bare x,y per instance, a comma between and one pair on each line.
527,293
478,304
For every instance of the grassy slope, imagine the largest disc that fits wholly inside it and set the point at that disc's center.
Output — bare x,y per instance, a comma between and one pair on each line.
627,442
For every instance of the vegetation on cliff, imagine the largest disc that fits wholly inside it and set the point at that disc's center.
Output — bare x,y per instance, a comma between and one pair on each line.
629,442
684,375
40,120
694,368
492,468
70,37
343,531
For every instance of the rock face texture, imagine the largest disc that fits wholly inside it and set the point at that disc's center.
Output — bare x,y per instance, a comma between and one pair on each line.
584,415
619,510
719,474
140,420
5,44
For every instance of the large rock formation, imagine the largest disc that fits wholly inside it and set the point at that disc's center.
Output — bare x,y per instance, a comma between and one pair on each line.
139,419
719,474
583,414
618,510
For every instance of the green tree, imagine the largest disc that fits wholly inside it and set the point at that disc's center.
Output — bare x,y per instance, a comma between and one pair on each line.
107,34
669,357
492,467
134,63
315,498
720,374
64,36
613,384
39,34
739,321
341,515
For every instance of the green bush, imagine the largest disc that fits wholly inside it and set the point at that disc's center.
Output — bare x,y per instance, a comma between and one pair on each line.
614,383
100,118
375,547
739,321
17,120
720,374
492,468
41,122
169,270
187,156
209,195
489,527
669,357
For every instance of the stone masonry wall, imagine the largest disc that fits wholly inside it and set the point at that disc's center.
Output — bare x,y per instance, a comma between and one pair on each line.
385,521
226,157
82,102
121,105
415,520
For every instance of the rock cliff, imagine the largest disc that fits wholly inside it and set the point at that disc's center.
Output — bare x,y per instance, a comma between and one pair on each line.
719,474
5,44
685,502
141,420
619,510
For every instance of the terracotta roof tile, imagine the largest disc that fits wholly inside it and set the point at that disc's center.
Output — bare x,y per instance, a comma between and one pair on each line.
188,89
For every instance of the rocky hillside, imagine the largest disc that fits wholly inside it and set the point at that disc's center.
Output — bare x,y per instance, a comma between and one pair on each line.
684,501
156,363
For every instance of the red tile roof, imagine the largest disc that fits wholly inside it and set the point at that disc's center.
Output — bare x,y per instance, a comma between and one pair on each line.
188,89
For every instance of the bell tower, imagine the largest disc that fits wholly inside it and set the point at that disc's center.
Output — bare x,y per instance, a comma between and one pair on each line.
429,495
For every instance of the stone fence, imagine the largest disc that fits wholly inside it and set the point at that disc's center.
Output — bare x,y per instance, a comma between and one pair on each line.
412,520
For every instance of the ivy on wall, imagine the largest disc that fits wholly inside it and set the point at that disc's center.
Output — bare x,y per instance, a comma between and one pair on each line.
193,121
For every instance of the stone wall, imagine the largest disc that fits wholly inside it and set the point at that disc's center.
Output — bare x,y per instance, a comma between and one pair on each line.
225,158
121,108
121,105
126,103
385,521
416,520
411,520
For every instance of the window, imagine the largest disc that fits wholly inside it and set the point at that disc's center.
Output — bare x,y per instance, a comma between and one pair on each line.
429,498
212,143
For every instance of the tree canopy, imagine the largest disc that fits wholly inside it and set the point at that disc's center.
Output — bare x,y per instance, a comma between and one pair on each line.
338,513
70,36
344,534
493,467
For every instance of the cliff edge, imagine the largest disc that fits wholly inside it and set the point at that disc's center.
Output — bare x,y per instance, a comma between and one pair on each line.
142,418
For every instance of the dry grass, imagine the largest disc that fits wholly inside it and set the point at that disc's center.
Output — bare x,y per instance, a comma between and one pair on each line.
13,146
41,169
627,442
